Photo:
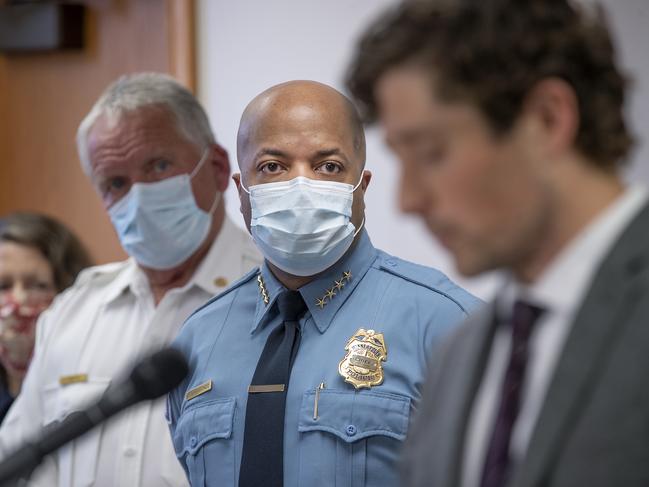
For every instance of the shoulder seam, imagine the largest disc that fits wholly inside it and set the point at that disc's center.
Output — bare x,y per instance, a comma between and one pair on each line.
427,286
235,285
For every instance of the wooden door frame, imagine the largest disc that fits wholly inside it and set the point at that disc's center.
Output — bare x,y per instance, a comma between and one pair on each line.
182,41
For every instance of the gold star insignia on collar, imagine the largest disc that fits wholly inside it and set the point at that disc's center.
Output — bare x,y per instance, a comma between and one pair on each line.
330,293
262,289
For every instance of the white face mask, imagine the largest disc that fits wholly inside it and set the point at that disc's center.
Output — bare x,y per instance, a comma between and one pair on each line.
159,224
303,225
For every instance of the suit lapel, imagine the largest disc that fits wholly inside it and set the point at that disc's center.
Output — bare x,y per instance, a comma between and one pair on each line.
469,362
598,323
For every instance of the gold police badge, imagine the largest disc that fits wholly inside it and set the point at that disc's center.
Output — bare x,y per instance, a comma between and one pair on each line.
361,365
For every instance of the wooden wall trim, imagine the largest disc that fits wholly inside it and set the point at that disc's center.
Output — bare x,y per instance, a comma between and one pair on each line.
44,96
5,153
182,43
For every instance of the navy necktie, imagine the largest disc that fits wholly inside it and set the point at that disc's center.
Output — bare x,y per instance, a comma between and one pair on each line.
262,461
496,465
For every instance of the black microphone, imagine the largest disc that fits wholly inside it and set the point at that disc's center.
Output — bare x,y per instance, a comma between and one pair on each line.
151,378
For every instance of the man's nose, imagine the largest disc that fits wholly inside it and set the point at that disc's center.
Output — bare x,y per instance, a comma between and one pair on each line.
412,197
300,168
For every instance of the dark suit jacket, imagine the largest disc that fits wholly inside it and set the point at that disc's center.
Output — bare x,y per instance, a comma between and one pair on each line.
593,428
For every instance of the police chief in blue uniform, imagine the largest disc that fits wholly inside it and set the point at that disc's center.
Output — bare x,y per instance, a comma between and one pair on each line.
306,371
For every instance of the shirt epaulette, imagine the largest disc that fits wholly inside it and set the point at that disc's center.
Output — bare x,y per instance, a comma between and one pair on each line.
429,278
98,273
235,285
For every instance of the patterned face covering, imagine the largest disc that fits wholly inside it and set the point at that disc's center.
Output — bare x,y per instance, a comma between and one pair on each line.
17,326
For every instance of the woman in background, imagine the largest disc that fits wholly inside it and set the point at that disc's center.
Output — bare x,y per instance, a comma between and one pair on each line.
39,258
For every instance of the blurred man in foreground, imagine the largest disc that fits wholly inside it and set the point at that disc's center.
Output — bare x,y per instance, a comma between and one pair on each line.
507,118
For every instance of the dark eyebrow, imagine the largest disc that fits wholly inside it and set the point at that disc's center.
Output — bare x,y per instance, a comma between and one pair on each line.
408,136
330,152
266,151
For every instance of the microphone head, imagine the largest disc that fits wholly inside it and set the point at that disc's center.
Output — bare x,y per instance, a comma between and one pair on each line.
159,373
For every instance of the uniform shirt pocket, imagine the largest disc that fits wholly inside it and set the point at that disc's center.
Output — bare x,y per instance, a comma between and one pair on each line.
61,401
355,439
203,441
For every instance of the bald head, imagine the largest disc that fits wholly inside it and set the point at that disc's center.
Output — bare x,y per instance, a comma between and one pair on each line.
301,129
314,106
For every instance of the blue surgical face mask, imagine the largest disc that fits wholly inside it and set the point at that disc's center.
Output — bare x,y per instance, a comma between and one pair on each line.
159,224
302,226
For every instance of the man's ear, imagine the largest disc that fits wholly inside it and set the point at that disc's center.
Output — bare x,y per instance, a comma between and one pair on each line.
243,201
236,177
221,163
366,178
553,107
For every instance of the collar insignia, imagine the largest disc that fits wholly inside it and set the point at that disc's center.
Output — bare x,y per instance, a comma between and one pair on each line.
262,289
329,294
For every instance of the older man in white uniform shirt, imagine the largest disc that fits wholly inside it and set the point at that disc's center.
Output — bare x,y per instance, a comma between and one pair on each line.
149,151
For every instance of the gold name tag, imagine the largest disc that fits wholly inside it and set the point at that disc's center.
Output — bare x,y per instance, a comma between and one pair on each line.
73,379
368,363
197,391
266,388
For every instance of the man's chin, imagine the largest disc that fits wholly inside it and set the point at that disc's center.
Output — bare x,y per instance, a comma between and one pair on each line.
470,266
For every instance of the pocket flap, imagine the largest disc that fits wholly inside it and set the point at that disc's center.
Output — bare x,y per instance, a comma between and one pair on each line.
202,422
352,415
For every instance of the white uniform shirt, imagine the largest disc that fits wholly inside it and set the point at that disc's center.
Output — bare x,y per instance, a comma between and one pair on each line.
91,336
559,291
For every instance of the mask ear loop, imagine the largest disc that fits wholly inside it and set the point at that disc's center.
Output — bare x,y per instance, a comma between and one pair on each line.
200,163
242,186
360,227
217,200
359,181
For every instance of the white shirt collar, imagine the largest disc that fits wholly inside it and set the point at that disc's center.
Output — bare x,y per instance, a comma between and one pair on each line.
222,262
220,259
563,284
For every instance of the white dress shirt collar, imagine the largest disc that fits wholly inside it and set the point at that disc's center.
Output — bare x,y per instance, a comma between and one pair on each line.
562,286
559,291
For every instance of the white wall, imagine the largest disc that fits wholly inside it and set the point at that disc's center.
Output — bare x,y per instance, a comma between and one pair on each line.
630,21
246,46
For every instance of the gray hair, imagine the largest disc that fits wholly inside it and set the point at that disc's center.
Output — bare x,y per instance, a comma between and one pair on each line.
135,91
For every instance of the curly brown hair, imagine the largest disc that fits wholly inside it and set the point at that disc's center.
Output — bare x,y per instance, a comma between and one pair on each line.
491,53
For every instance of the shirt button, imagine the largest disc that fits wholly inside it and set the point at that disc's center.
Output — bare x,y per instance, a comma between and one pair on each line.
129,452
351,430
193,441
391,262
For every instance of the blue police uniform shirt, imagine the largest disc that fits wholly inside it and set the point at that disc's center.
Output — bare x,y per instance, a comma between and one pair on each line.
356,435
